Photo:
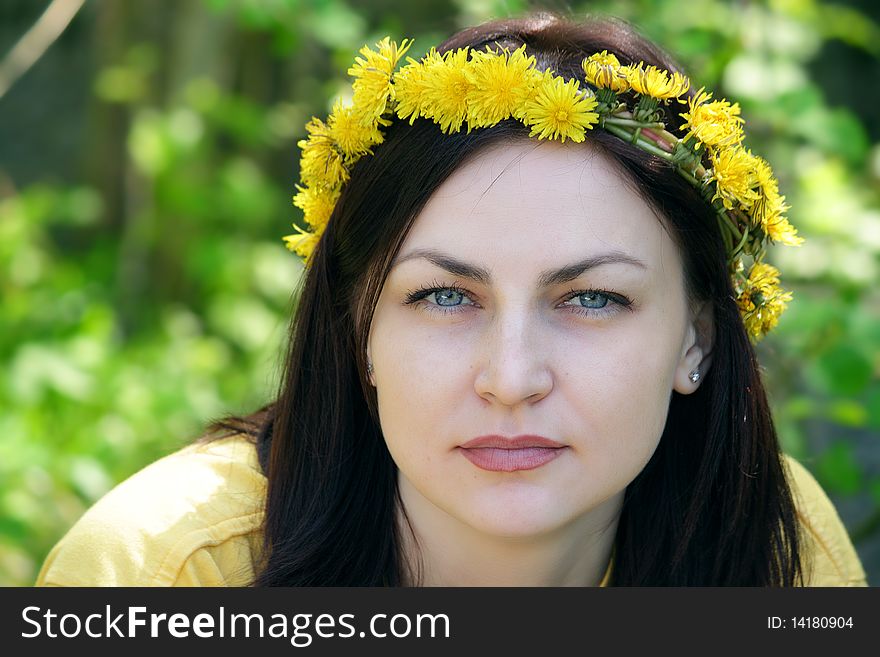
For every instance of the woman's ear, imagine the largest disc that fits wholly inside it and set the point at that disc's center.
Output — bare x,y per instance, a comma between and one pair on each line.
696,353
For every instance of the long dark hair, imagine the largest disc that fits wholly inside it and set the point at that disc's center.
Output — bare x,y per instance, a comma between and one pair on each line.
712,507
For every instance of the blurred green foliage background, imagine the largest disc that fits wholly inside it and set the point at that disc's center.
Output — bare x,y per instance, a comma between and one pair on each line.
147,160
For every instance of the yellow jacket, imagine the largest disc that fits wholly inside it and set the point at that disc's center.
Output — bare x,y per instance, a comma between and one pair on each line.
194,518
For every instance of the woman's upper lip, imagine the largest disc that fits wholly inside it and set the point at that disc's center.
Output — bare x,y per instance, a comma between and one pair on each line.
511,442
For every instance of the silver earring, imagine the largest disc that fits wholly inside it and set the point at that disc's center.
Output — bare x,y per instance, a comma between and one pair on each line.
694,376
369,367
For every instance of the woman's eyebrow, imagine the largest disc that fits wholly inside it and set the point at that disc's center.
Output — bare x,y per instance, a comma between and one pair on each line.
546,279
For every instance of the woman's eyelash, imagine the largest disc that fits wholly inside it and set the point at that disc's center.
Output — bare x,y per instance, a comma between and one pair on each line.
617,301
414,296
620,302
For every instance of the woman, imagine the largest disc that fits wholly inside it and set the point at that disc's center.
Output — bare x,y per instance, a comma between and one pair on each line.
521,354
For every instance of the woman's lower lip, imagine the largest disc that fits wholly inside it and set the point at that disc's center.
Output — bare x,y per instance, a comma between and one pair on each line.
510,460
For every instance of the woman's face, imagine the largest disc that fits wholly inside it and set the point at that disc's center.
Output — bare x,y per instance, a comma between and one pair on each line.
536,295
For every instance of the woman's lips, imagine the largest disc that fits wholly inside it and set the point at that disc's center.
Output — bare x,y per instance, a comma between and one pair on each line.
507,454
497,459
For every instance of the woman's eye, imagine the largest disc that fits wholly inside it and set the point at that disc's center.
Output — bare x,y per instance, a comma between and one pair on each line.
440,298
451,299
593,303
594,300
447,297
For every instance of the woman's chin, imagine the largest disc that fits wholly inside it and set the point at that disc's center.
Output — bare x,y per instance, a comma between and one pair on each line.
522,525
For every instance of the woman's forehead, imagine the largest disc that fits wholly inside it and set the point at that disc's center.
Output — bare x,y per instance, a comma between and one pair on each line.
542,203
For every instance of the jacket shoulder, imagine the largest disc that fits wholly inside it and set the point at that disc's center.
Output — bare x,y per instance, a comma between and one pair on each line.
191,518
829,557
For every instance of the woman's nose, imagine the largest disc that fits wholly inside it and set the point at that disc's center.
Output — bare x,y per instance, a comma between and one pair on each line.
513,365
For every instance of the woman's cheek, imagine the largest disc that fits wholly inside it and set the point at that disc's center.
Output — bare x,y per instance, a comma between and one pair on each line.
632,399
432,356
413,400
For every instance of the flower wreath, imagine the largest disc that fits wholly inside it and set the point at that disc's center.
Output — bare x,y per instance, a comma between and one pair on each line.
480,88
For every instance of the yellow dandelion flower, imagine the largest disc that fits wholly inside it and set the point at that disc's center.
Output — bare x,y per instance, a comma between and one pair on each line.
370,96
499,84
768,210
783,232
656,83
303,242
372,86
321,162
559,111
410,86
350,134
446,88
761,300
603,70
382,60
316,203
714,123
733,170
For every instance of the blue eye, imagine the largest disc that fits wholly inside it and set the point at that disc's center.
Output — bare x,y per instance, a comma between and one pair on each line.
593,299
595,303
450,299
447,296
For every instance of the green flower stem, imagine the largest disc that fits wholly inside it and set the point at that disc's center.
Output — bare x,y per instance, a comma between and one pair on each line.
742,242
641,143
633,123
667,136
624,118
689,177
722,212
760,253
726,237
658,140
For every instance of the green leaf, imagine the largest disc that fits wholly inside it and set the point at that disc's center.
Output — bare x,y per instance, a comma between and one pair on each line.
799,407
843,370
834,130
838,471
873,407
848,413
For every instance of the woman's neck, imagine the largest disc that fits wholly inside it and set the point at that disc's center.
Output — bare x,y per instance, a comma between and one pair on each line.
451,553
